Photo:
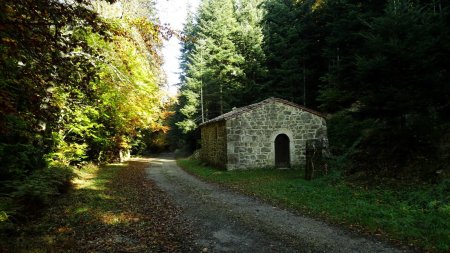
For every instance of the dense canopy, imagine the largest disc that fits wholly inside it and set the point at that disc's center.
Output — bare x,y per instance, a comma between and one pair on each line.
378,68
80,81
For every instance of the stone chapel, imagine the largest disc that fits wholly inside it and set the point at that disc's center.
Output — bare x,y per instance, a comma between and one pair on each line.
268,134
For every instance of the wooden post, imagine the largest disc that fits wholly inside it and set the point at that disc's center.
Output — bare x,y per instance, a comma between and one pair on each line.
315,165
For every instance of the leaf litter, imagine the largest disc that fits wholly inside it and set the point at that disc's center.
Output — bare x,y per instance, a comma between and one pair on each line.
118,211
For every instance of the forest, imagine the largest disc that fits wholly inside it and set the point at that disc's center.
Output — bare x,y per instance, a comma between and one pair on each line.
378,69
81,82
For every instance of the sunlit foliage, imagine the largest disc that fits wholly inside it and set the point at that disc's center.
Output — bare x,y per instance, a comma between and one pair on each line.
75,85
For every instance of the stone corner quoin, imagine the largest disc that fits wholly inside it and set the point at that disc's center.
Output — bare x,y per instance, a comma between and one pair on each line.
247,139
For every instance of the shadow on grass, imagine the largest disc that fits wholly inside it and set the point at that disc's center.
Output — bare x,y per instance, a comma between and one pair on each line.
110,209
417,215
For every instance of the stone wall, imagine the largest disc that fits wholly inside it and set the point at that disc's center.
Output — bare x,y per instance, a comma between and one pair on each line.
251,135
214,144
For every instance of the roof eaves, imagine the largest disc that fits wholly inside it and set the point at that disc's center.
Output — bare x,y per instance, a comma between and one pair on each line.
241,110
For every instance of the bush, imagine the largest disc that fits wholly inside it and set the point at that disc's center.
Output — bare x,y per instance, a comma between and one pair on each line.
409,148
344,131
17,160
20,198
35,191
344,135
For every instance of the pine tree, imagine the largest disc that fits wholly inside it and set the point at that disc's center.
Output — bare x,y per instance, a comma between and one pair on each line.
249,42
212,64
293,43
390,72
217,29
222,62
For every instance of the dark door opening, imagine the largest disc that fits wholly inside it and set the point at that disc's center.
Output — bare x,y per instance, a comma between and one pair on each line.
282,157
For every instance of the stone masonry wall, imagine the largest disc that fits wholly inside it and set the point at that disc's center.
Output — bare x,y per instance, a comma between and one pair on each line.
251,135
213,138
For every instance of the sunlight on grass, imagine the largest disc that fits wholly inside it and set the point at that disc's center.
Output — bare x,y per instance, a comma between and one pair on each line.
3,216
117,165
112,199
418,214
124,218
112,218
105,196
92,199
82,209
89,178
85,178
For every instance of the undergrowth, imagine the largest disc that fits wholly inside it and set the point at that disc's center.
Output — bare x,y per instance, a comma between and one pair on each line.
23,198
112,208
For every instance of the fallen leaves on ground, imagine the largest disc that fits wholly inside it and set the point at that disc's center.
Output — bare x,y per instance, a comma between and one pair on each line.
118,211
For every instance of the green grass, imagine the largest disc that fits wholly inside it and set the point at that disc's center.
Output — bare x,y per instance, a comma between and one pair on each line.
112,208
89,202
417,215
92,197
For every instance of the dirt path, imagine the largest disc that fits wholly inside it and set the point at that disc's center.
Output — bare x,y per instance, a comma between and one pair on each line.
225,221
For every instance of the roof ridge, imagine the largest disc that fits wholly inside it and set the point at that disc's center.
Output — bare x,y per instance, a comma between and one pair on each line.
238,111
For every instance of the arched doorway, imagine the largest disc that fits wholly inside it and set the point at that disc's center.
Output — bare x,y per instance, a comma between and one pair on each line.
282,156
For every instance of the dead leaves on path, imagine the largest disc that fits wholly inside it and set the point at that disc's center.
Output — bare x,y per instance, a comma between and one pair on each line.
150,214
124,212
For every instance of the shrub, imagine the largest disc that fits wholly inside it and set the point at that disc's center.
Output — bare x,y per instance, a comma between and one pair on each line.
20,198
37,189
413,147
344,131
18,160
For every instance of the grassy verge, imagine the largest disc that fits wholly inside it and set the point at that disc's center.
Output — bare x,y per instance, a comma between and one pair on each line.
111,209
418,215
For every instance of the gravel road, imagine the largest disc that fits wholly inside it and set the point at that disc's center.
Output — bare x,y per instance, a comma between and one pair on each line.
225,221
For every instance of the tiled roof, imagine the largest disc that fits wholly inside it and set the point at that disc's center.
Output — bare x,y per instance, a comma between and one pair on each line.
238,111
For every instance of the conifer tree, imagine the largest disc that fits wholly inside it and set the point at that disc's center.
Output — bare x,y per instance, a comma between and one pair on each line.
249,42
212,64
